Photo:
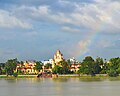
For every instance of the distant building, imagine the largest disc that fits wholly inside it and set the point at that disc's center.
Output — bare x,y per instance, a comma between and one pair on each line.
45,62
50,61
58,56
74,64
75,67
27,67
73,61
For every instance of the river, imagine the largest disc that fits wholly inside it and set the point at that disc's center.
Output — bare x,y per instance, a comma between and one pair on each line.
59,87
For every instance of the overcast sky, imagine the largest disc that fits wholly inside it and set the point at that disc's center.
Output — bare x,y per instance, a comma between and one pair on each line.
35,29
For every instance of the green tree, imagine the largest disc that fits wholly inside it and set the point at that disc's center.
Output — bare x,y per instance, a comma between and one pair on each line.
48,66
87,66
112,73
81,70
65,67
113,67
2,68
19,72
118,70
57,69
21,62
98,65
63,63
68,62
10,66
15,74
38,66
61,68
99,61
104,68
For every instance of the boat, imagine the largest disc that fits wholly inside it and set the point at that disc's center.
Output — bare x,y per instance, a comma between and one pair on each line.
46,75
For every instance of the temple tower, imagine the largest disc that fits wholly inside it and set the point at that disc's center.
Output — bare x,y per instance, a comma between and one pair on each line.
58,56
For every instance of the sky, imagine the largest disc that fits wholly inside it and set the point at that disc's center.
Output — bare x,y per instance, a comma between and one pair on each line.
35,29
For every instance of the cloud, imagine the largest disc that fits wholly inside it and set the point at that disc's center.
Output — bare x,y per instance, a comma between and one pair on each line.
101,44
7,20
68,29
95,16
13,35
100,15
100,1
84,17
63,2
83,46
80,48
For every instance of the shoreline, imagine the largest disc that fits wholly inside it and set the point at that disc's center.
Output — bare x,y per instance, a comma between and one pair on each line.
63,76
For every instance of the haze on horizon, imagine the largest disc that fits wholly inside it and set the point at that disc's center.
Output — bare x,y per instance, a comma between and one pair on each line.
35,29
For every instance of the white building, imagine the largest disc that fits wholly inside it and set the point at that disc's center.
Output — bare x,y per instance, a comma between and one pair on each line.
50,61
73,61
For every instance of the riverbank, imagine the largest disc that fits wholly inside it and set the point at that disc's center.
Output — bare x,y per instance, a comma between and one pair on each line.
19,76
83,77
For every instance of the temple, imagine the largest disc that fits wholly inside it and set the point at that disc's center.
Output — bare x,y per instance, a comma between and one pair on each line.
58,57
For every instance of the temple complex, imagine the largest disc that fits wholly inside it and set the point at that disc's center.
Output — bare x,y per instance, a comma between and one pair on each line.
58,56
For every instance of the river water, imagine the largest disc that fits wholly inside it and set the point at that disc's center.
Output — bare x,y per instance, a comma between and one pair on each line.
59,87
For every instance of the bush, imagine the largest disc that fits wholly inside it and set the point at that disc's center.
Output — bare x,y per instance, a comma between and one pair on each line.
103,72
15,74
20,72
112,73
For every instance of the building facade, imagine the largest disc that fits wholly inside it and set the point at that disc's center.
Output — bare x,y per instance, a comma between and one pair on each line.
27,67
58,56
74,64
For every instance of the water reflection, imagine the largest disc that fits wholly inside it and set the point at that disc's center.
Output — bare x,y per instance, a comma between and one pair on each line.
61,79
17,80
11,80
59,87
114,79
90,79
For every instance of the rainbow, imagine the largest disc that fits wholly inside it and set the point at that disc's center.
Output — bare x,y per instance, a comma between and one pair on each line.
84,45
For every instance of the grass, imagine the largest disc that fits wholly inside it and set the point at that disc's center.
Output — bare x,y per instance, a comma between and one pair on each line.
93,78
19,76
83,78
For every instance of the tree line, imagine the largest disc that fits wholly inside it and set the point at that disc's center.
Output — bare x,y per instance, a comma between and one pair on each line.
88,66
92,67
